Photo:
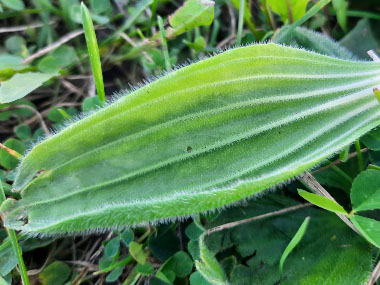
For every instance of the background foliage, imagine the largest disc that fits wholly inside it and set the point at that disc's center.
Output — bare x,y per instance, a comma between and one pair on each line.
43,55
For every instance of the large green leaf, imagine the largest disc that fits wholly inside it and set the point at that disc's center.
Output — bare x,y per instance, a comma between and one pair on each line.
365,191
311,40
10,61
372,139
287,9
369,228
362,34
56,273
201,137
21,85
329,252
193,13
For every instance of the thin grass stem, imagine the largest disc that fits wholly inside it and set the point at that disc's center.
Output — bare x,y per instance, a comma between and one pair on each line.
164,43
93,51
360,156
16,247
240,23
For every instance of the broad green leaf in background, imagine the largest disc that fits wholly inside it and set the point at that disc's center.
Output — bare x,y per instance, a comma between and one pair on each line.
145,269
17,5
59,58
193,13
322,202
258,246
15,44
365,192
112,247
10,61
90,104
64,55
21,84
9,64
311,40
340,7
198,45
372,139
2,280
8,259
293,243
75,15
48,65
180,263
205,113
65,6
56,273
137,252
297,8
164,243
55,116
362,34
127,237
369,228
23,132
100,6
6,159
115,274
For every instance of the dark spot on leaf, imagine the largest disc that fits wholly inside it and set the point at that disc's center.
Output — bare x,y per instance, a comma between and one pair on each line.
189,149
24,219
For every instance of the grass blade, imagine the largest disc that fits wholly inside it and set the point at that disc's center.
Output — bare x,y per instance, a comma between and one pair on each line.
164,43
16,247
310,13
240,23
293,243
93,51
322,202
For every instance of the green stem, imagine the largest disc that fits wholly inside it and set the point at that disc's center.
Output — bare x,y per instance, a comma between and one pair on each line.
268,14
363,14
241,21
290,13
115,265
164,44
342,173
154,11
15,245
310,13
360,156
375,167
144,236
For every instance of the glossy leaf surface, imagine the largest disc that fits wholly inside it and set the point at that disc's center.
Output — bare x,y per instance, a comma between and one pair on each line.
365,191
